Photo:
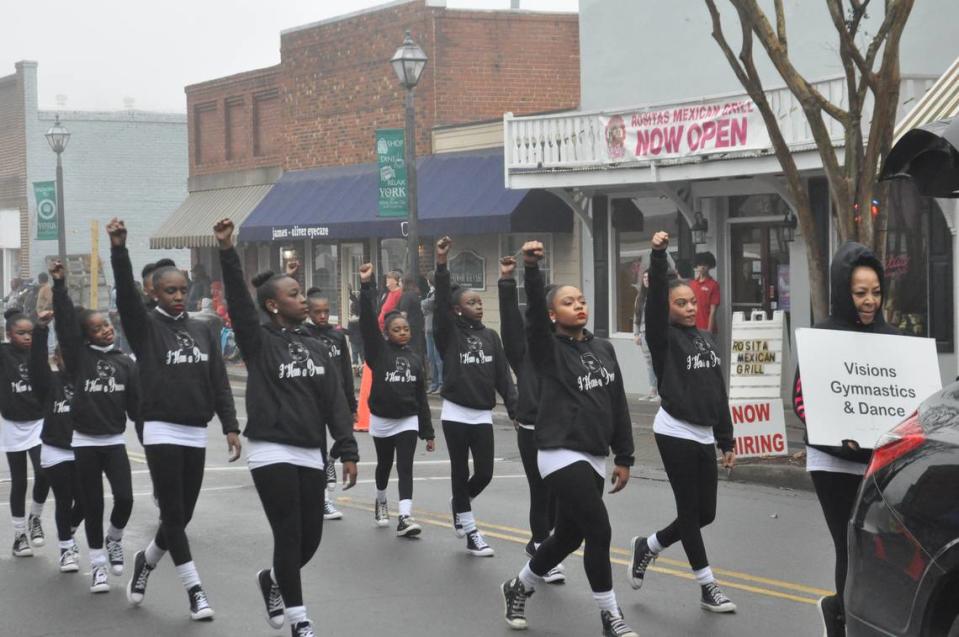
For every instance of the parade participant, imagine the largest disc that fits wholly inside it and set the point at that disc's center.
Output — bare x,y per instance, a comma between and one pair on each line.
293,394
693,417
474,370
410,305
857,289
399,409
178,353
55,391
542,504
22,413
106,391
582,415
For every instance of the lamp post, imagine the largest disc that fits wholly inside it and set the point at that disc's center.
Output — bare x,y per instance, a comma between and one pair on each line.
58,137
408,63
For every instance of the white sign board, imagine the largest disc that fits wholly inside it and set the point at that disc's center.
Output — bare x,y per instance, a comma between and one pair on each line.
858,386
756,356
759,427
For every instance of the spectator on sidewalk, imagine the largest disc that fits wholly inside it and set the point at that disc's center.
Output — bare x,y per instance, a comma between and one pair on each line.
706,289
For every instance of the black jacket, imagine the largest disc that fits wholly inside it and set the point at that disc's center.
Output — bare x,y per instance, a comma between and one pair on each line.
843,316
293,392
582,402
180,356
399,387
514,344
54,390
687,363
106,383
335,340
474,363
18,401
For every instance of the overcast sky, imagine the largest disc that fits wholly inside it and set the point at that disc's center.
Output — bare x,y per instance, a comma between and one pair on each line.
99,52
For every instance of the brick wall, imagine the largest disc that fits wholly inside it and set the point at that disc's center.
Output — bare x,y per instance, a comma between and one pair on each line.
13,153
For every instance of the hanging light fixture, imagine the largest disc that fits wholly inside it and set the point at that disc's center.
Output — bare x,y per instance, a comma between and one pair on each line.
699,229
790,223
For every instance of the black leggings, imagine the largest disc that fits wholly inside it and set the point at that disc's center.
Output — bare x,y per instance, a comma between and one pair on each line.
694,477
18,480
177,474
581,515
403,445
69,512
92,464
837,496
292,498
542,503
461,439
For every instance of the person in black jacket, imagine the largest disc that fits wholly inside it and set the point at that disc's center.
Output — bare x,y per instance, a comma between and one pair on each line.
857,285
582,415
693,417
55,392
293,395
399,409
475,369
179,353
22,412
106,392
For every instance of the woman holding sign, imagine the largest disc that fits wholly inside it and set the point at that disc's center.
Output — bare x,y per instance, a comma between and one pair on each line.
694,416
857,286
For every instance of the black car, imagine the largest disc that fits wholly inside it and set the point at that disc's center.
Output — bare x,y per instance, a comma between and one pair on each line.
903,576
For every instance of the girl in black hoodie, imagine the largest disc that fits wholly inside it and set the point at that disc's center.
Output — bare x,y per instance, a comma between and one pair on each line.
22,414
582,415
293,395
474,370
692,419
181,354
106,392
399,410
857,289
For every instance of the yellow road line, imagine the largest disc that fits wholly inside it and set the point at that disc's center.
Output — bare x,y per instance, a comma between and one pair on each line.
137,457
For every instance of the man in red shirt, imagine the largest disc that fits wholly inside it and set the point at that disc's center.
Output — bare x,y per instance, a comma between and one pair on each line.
706,289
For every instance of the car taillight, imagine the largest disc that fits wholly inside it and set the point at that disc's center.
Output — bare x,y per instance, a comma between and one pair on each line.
896,443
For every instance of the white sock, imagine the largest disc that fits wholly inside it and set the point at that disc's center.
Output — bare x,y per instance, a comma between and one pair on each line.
406,507
98,557
653,543
36,509
467,521
272,576
381,495
114,533
69,544
153,554
188,575
19,525
607,601
704,576
529,578
295,615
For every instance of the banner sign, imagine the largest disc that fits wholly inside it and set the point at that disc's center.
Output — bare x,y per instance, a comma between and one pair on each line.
390,155
858,386
46,196
756,356
759,427
685,130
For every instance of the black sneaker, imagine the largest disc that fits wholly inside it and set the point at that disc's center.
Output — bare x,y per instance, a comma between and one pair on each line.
833,623
381,513
457,526
137,586
99,580
271,598
615,625
408,527
21,546
68,561
330,512
199,605
35,529
115,553
715,601
514,603
477,546
331,475
556,575
640,561
303,629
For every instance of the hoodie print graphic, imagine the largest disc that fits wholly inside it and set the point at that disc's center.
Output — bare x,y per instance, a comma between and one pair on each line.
106,380
475,354
22,385
402,372
301,364
596,375
705,356
187,352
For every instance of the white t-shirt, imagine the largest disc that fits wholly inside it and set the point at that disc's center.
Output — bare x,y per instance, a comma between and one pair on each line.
52,456
666,425
466,415
817,460
156,432
260,453
552,460
85,440
385,427
20,435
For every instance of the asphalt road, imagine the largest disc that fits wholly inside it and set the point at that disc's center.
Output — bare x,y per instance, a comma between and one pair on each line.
768,547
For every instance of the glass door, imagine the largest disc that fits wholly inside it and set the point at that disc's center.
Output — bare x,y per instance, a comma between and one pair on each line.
351,260
760,268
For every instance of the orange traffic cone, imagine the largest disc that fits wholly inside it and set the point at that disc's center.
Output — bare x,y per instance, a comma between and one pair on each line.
363,409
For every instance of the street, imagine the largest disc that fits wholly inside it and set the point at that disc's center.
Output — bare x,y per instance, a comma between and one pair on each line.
769,548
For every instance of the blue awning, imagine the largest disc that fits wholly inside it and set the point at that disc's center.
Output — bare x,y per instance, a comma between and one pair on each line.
459,193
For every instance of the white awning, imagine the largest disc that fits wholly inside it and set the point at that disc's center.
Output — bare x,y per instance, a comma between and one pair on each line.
191,225
941,101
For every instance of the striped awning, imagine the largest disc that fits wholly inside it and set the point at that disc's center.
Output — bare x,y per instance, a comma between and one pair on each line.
941,101
191,225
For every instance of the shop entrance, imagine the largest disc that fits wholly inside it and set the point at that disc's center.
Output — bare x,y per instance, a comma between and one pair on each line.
759,267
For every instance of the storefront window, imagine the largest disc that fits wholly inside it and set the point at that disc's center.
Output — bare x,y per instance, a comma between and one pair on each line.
631,253
511,244
326,274
766,205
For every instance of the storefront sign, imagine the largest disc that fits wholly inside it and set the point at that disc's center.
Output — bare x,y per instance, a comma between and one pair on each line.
685,131
468,270
46,195
759,427
858,386
756,356
298,232
390,151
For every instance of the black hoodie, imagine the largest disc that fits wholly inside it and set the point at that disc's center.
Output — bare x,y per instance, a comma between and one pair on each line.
106,383
474,363
55,392
293,392
18,401
178,355
335,340
843,316
514,343
582,402
687,363
399,379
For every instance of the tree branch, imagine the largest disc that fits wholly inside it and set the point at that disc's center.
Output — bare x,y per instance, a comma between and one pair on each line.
781,25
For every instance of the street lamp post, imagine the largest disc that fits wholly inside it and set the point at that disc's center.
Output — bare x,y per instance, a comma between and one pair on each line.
408,63
58,137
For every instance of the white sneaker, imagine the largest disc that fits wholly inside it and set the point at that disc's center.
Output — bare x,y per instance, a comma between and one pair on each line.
115,554
99,580
382,514
330,512
556,575
68,561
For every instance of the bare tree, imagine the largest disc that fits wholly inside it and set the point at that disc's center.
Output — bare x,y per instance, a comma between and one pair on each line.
851,169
